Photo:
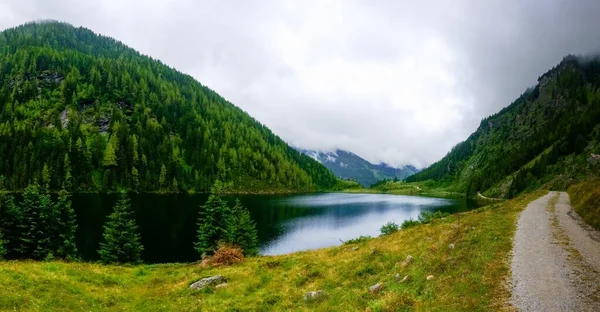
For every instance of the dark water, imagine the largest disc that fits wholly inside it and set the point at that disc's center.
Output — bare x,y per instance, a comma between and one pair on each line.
285,223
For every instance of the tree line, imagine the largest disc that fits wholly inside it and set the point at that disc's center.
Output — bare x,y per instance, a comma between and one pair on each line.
41,228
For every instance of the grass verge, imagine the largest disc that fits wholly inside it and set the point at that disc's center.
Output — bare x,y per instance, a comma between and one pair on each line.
469,277
585,198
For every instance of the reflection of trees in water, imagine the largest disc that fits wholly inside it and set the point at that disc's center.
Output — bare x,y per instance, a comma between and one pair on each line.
168,222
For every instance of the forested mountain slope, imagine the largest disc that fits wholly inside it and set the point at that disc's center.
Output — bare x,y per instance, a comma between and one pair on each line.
347,165
548,136
85,112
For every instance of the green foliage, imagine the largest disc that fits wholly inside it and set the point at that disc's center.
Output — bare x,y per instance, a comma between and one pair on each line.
389,228
428,216
213,222
360,239
515,150
409,223
64,245
67,91
218,224
242,230
121,242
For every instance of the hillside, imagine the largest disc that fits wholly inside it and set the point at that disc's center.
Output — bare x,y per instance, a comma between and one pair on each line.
87,113
349,166
547,137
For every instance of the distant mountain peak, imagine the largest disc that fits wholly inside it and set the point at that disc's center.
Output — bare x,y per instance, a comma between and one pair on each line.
348,165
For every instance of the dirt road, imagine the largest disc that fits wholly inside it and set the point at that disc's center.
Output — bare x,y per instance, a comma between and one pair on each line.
556,259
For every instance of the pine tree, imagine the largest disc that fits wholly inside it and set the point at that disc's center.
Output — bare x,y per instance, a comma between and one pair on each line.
121,241
46,177
110,155
64,246
242,230
213,222
28,235
68,181
162,179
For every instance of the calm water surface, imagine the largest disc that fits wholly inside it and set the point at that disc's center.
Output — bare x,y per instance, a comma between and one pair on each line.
286,223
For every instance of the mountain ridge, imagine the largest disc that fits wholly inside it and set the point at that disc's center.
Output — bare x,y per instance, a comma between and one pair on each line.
347,165
544,138
90,114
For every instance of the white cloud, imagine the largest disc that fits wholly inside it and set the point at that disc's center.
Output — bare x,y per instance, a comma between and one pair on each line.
393,81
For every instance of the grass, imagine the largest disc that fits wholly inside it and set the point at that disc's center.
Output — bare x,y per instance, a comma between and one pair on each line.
585,198
470,277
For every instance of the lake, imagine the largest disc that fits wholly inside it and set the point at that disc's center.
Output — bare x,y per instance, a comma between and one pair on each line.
285,223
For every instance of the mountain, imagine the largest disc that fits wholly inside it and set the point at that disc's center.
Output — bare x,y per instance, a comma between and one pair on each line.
347,165
87,113
547,137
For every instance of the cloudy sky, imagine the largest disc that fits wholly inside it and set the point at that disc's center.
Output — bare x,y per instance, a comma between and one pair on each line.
393,81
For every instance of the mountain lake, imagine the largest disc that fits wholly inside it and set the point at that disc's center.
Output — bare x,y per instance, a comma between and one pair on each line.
285,223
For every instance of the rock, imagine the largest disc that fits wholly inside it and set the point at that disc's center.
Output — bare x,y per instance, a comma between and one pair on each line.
404,279
430,277
209,281
397,277
354,248
314,295
376,288
223,285
593,158
409,259
451,246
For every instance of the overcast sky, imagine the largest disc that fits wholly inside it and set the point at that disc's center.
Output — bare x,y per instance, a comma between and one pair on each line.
394,81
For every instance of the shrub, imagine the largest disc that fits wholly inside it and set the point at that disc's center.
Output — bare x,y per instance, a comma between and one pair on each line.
409,223
389,228
227,255
428,216
357,240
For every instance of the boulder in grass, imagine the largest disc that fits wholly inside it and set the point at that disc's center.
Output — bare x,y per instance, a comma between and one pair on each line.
430,277
314,295
209,281
376,288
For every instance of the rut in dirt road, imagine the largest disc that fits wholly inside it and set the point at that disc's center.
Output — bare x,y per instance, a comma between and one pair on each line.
556,259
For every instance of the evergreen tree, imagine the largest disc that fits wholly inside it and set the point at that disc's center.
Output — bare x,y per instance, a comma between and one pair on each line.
162,179
121,241
213,222
46,177
29,235
11,219
64,245
68,181
242,230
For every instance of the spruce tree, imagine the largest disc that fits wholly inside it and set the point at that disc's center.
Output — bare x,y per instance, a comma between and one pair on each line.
32,239
213,222
242,230
64,244
121,241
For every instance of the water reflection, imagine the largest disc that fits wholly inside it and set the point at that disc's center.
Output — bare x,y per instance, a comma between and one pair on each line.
285,223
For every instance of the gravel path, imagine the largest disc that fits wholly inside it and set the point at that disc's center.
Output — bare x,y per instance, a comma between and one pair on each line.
556,261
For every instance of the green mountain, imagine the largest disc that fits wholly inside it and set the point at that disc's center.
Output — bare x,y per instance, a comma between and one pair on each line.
349,166
86,112
547,137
